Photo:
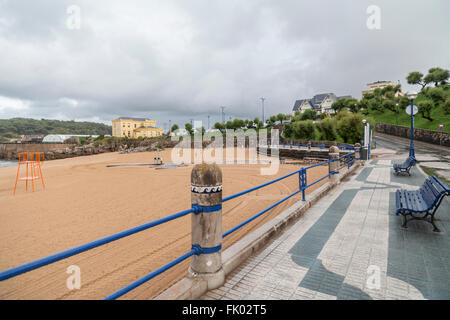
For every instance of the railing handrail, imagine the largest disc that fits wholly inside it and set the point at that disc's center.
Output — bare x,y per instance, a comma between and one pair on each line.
9,273
87,246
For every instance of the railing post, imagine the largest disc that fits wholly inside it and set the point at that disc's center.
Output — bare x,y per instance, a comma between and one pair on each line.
357,153
333,165
206,224
302,182
348,160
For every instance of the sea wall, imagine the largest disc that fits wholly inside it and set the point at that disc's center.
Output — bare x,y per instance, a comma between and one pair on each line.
430,136
10,151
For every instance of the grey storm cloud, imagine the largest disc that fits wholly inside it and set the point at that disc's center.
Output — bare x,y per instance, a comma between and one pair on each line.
181,60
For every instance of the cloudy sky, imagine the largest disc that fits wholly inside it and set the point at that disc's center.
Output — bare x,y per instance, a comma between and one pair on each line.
182,60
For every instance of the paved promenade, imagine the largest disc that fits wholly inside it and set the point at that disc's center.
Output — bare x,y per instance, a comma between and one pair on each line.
349,245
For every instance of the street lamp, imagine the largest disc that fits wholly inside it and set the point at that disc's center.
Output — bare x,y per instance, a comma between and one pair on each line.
396,114
412,95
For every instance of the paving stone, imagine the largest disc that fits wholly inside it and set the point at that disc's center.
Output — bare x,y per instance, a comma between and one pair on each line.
327,253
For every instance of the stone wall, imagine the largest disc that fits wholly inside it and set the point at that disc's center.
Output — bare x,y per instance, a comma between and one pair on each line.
430,136
300,154
10,151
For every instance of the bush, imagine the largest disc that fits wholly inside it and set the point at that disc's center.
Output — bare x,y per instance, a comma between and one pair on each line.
287,130
303,130
324,115
327,129
447,106
100,137
425,107
350,127
308,114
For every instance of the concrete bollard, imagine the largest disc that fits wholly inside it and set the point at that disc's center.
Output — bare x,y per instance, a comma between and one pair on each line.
358,153
206,224
333,165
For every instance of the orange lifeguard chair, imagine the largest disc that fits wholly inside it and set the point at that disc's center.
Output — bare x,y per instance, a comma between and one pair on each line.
32,161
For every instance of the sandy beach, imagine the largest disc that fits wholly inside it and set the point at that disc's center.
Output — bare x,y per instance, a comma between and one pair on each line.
84,200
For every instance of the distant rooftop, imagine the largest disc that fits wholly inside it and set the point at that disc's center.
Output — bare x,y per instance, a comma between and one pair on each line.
380,81
131,118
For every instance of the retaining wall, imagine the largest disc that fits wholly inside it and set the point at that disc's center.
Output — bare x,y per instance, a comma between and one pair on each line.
10,151
430,136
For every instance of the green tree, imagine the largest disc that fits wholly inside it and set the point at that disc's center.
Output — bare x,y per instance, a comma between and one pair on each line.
425,107
303,129
438,76
287,130
238,124
281,117
338,105
188,128
229,125
350,127
219,126
416,77
436,94
308,114
446,106
258,123
327,129
175,127
271,120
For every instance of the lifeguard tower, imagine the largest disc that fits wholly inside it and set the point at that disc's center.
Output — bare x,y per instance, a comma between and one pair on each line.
32,163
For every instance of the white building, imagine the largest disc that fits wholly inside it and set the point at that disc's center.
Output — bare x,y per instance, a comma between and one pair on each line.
320,103
60,138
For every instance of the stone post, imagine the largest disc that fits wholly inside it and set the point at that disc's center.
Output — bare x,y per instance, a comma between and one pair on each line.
358,153
206,224
333,165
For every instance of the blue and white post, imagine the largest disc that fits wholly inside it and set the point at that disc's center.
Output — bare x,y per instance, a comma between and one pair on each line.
206,224
367,137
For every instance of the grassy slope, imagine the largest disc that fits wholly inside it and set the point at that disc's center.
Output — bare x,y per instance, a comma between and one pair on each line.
438,115
405,120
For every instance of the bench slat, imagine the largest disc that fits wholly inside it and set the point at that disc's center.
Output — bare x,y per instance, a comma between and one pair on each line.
442,183
428,194
431,188
439,185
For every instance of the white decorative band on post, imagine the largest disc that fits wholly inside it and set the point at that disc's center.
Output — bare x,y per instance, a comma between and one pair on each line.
333,165
206,198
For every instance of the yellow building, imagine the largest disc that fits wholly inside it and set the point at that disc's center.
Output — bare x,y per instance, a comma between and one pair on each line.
135,128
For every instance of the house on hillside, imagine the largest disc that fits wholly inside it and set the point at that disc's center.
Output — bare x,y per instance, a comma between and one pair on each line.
370,87
321,103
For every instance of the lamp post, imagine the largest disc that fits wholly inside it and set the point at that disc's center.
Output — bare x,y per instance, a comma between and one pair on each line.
364,132
396,114
412,96
314,130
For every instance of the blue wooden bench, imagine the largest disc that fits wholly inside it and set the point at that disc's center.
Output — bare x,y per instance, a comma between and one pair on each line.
423,203
405,166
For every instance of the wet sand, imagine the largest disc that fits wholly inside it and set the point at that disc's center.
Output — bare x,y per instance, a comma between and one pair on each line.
84,200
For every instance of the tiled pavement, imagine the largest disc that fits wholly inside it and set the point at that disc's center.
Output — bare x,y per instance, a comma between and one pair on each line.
349,245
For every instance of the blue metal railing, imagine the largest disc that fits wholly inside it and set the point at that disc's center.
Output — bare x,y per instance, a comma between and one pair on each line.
4,275
88,246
